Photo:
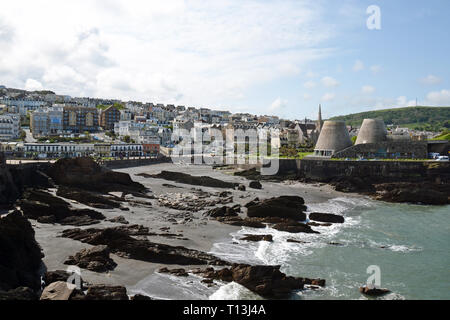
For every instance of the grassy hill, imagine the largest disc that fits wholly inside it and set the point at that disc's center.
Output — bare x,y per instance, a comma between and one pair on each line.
420,118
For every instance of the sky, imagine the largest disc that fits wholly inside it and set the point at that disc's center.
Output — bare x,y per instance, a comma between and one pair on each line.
278,57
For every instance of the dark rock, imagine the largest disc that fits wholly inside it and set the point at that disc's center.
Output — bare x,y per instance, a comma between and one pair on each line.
223,212
122,244
373,292
247,222
46,208
104,292
316,224
96,259
291,207
140,297
86,174
256,185
88,198
257,238
241,187
326,217
418,193
267,281
176,272
119,219
294,227
185,178
20,254
296,241
19,294
352,184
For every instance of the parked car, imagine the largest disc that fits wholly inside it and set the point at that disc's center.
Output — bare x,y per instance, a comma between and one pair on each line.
443,158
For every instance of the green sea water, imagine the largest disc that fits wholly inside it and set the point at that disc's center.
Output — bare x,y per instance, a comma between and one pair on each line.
409,244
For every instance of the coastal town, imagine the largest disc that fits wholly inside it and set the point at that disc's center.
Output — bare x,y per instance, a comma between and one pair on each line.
44,125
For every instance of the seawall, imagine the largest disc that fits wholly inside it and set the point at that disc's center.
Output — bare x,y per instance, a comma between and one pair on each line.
326,170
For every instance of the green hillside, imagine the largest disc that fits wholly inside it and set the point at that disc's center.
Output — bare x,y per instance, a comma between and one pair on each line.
420,118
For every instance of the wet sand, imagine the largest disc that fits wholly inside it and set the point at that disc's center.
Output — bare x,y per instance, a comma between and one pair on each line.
200,233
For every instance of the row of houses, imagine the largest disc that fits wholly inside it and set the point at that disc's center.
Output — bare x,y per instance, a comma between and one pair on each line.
62,150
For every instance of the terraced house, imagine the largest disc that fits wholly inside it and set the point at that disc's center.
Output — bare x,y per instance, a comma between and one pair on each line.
78,119
109,117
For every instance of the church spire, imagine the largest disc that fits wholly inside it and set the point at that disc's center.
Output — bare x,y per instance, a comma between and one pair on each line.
320,121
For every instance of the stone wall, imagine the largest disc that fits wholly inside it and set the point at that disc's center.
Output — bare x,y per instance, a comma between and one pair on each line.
387,150
378,171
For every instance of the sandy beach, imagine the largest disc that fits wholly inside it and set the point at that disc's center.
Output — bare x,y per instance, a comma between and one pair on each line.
200,233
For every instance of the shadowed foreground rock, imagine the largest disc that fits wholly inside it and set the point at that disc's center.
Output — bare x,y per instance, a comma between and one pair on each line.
19,294
20,254
122,244
185,178
88,198
46,208
96,259
267,281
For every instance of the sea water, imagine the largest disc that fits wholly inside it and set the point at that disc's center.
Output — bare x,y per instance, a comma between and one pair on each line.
409,244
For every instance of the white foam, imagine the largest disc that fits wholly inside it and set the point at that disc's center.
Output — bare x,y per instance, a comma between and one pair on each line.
234,291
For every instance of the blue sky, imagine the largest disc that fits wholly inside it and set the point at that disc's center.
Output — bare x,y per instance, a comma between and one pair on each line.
265,57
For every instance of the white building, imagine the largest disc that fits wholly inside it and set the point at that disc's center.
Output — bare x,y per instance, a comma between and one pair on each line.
9,127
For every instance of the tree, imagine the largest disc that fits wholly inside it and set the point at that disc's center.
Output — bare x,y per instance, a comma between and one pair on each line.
126,139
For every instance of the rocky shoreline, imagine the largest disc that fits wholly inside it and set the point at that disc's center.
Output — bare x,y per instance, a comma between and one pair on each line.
79,193
433,190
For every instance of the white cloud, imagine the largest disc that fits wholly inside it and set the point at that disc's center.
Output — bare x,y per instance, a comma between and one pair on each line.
278,104
33,85
402,102
431,80
438,98
329,82
307,96
358,66
192,53
328,97
375,69
309,84
368,89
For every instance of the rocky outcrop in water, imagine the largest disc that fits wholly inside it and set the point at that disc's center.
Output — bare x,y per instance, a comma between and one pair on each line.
291,207
20,254
258,237
122,244
96,259
46,208
373,292
185,178
326,217
266,281
420,193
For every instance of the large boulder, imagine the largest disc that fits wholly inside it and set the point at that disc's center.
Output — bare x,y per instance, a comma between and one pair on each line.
373,291
85,173
255,185
326,217
266,281
291,207
96,259
224,212
59,290
20,254
8,190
